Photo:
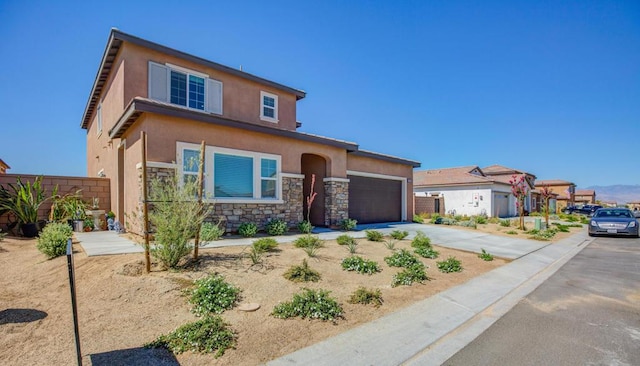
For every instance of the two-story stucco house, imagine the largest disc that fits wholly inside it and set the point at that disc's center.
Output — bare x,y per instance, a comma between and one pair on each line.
257,165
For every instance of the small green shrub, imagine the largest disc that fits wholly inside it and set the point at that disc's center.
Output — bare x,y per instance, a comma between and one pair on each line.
562,228
360,265
302,273
494,220
402,258
571,218
210,232
213,294
276,227
365,296
207,335
311,251
512,232
255,255
348,224
435,219
480,219
308,240
418,219
584,220
450,265
409,275
427,253
448,221
468,223
485,256
312,304
459,217
265,244
374,235
542,235
305,227
421,240
505,223
352,247
390,244
248,229
345,239
52,241
399,235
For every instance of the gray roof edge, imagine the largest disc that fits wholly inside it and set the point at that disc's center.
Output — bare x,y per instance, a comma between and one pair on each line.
139,104
214,65
389,158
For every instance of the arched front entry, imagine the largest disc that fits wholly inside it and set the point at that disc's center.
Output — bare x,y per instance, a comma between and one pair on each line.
314,164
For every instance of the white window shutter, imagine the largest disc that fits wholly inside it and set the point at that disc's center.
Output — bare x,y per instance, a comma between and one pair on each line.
158,82
214,96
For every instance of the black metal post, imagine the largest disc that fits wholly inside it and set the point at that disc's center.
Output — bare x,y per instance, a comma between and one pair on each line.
74,306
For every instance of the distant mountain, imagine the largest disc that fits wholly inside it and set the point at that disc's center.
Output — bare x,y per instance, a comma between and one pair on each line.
617,193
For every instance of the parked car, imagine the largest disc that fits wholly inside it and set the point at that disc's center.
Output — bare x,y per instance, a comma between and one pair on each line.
571,209
614,221
581,209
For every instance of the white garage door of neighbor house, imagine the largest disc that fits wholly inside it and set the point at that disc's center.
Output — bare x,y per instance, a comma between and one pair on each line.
500,205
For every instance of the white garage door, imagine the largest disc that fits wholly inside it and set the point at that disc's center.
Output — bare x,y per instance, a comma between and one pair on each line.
500,205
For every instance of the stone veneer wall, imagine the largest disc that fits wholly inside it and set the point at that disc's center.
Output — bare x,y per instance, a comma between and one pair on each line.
336,202
233,214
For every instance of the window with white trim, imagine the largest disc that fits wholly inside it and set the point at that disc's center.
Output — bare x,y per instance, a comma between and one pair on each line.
234,175
99,120
268,107
183,87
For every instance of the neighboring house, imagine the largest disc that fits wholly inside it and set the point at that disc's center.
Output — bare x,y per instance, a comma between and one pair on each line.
634,205
465,191
506,175
564,189
585,196
257,165
3,167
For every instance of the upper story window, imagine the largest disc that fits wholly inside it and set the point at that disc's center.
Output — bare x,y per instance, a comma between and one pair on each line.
268,107
179,86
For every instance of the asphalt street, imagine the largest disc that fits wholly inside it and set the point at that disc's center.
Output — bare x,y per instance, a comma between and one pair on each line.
587,313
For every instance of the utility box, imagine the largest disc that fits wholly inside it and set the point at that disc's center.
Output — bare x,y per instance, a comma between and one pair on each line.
538,223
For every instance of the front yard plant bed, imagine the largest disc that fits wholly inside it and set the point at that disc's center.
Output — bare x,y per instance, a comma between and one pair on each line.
122,308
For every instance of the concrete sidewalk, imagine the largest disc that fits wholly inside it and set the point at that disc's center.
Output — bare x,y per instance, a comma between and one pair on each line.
110,243
432,330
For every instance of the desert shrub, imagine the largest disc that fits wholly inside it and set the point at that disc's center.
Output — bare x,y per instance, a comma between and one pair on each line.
2,235
348,224
305,227
213,294
449,265
505,223
468,223
352,247
302,273
312,304
562,228
345,239
427,252
435,219
374,235
276,227
176,216
459,217
448,221
207,335
248,229
584,220
421,240
418,219
211,232
312,251
365,296
308,241
409,275
512,232
542,235
255,254
493,220
399,234
265,244
535,213
390,244
485,255
52,241
402,258
360,265
480,219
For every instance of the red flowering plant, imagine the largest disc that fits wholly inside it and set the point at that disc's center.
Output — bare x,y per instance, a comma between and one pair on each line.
520,189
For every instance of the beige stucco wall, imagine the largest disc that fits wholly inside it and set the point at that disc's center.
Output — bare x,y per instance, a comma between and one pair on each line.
241,97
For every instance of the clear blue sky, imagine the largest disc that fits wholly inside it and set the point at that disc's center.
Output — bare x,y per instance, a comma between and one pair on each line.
550,87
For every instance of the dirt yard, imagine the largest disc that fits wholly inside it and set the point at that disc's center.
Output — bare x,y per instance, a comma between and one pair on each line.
121,309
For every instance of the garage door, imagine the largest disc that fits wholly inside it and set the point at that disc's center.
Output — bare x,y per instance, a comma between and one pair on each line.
500,205
374,199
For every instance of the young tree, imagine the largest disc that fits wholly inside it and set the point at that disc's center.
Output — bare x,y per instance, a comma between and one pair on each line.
520,189
546,194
